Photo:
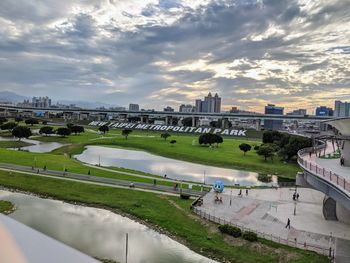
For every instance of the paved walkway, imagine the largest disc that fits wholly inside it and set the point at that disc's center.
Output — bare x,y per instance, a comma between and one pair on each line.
100,180
267,211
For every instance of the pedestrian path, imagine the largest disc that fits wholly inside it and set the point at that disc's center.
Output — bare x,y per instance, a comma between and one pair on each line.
267,211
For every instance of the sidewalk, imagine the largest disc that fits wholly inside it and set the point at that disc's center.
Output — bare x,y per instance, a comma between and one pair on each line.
267,211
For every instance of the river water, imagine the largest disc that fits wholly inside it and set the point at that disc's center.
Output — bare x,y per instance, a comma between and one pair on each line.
175,169
98,232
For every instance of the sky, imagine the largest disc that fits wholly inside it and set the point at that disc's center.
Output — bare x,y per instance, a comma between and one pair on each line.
293,53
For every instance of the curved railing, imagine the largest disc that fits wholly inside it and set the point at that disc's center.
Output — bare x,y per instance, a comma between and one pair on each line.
321,172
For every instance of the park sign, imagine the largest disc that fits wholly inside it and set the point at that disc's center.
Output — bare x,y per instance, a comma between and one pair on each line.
170,128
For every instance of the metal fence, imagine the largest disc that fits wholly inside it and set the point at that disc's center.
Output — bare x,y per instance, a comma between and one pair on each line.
329,176
327,251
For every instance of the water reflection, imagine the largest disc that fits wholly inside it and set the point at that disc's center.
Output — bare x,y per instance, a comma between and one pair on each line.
37,147
98,232
146,162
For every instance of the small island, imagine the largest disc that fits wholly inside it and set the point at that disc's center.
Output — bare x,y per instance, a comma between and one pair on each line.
6,207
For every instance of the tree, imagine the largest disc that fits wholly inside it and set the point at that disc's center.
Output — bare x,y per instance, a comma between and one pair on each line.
173,142
44,122
18,119
103,129
70,125
187,122
294,144
8,126
245,147
165,135
77,129
126,132
2,120
31,121
63,131
46,130
21,132
266,150
210,138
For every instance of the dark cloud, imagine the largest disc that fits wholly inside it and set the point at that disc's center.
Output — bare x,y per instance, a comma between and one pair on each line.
66,48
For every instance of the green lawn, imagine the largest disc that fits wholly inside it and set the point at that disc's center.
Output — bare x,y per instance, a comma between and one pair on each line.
59,162
5,206
169,213
13,144
226,155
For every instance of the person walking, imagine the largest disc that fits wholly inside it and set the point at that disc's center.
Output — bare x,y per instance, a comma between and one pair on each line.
294,196
297,196
246,192
240,193
288,223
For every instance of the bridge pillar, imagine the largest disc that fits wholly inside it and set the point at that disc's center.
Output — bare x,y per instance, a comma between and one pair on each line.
144,119
195,121
345,152
225,123
168,120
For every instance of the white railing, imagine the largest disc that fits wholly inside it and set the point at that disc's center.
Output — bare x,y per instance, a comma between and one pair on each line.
322,172
323,250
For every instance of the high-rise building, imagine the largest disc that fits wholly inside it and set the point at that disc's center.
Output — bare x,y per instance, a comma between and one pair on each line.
298,112
38,102
273,124
324,111
134,107
209,104
341,109
186,108
168,109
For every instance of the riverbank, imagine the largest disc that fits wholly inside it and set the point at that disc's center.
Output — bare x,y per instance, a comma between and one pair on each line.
6,207
227,155
169,215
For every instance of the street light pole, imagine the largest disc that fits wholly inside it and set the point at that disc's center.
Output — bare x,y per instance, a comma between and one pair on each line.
126,247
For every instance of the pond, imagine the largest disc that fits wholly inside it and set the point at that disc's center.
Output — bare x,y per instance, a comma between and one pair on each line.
175,169
37,147
98,232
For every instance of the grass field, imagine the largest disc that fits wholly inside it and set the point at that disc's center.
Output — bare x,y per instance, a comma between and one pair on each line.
170,214
227,155
13,144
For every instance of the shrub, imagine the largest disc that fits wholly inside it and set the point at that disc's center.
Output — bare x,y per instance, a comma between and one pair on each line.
250,236
266,178
230,230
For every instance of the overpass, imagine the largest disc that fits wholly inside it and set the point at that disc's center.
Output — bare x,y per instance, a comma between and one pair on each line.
6,109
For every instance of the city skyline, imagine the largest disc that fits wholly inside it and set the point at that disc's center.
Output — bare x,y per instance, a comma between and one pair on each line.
168,53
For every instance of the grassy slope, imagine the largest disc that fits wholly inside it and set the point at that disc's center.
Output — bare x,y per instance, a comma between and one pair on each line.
227,155
158,211
58,162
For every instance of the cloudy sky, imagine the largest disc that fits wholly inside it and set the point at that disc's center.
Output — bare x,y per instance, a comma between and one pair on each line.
169,52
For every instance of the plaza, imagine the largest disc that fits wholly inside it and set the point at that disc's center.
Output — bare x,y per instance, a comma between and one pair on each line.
266,212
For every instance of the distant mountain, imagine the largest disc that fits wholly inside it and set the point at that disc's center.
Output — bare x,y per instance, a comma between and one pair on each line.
9,96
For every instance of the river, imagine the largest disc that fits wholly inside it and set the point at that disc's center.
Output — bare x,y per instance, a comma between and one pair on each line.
175,169
98,232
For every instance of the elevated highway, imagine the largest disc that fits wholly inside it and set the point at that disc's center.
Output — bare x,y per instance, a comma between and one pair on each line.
5,108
